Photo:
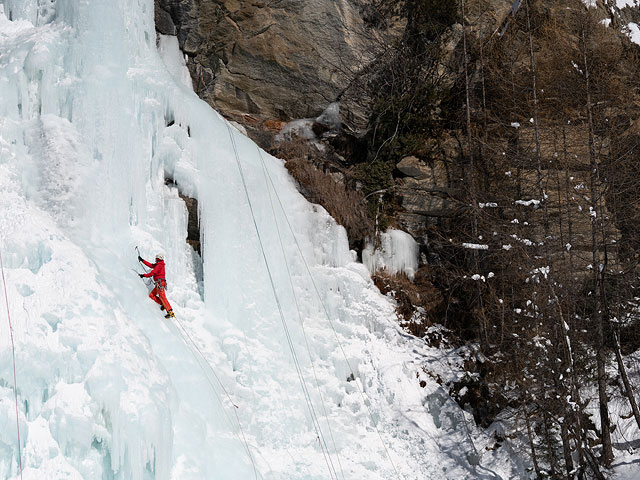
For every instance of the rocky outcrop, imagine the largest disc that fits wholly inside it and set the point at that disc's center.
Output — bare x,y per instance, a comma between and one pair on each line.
423,191
281,60
265,63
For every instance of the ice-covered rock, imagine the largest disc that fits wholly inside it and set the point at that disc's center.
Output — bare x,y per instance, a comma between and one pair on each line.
397,253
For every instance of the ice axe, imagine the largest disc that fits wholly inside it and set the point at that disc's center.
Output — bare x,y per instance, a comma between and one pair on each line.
139,256
138,274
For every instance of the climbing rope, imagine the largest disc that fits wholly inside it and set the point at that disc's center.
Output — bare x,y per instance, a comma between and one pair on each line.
326,311
198,355
304,332
190,341
13,353
314,417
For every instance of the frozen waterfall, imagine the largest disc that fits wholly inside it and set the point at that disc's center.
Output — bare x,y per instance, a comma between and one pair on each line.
95,117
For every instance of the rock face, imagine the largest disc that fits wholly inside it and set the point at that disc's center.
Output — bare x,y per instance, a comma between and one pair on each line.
264,63
425,189
282,60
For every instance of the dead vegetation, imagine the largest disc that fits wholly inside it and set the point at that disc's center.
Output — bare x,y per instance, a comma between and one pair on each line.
321,186
417,301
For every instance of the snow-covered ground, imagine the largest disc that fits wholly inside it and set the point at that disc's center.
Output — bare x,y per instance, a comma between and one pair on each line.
284,362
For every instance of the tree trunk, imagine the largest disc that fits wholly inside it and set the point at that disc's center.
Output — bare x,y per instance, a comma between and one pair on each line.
534,456
472,172
568,199
535,118
625,379
566,449
551,453
571,413
598,317
472,182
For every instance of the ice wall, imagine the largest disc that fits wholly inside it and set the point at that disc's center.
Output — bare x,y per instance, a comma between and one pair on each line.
287,364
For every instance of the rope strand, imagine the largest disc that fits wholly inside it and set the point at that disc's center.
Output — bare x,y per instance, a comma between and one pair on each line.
13,353
314,418
295,298
189,340
326,311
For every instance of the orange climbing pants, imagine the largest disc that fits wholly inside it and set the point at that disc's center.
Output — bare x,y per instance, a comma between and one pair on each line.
158,295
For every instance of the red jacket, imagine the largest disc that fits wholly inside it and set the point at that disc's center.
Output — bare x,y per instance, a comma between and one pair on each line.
157,271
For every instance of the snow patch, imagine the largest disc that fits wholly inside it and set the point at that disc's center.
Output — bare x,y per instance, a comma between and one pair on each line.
634,32
528,203
475,246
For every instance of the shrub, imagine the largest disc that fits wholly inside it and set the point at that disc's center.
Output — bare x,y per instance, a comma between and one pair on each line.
345,205
416,302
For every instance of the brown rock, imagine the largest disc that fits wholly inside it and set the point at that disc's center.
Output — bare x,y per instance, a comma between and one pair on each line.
273,124
284,60
427,191
413,167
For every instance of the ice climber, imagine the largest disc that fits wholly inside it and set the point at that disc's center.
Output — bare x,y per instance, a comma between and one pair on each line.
157,294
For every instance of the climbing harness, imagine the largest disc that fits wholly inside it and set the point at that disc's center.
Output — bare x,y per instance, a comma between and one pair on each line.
13,353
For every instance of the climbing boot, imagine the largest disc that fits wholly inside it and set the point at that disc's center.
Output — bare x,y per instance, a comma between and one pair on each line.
170,314
162,307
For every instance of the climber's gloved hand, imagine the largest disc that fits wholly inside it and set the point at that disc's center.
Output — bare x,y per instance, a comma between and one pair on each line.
141,275
139,258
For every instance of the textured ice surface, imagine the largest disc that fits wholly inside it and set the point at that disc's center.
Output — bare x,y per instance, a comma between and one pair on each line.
92,121
397,253
174,60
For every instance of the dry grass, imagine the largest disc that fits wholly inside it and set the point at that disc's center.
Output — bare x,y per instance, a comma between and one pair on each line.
417,301
345,205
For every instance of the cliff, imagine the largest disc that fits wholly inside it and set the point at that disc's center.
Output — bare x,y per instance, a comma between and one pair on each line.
272,60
